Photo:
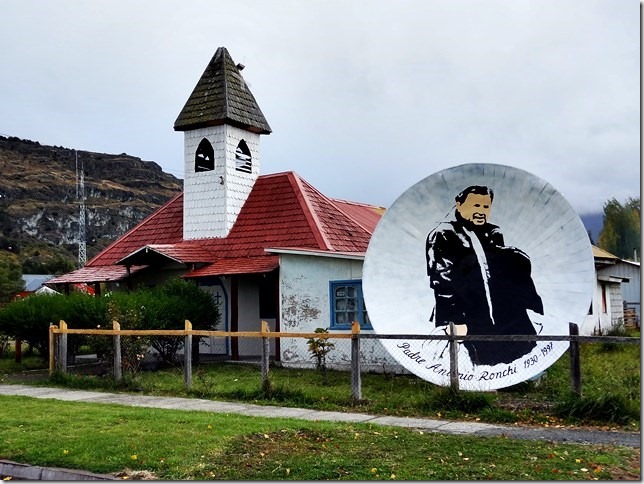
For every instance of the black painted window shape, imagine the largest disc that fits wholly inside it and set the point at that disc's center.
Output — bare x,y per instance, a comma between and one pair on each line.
243,159
205,156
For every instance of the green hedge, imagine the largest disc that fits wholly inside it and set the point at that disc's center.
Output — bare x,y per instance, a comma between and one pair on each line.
162,307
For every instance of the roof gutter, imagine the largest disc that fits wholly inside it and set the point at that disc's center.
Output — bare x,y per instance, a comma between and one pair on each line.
317,253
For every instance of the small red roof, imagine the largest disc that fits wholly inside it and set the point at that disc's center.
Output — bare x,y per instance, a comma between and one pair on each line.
237,265
282,210
184,252
95,274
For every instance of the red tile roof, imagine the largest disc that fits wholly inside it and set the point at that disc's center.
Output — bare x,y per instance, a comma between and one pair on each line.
282,210
165,226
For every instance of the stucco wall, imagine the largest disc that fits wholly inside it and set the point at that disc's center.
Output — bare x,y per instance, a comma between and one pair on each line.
305,306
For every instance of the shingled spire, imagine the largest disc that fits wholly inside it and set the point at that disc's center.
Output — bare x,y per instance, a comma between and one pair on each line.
222,97
222,126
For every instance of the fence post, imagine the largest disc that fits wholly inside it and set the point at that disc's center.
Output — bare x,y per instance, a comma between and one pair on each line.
356,374
265,358
453,358
575,363
52,348
62,348
118,371
18,355
187,355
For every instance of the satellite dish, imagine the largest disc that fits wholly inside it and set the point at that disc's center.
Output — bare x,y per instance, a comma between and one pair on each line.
491,248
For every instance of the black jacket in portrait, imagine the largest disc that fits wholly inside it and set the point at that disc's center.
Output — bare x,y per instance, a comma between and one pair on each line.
457,278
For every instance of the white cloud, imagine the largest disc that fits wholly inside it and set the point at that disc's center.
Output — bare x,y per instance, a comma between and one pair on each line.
365,98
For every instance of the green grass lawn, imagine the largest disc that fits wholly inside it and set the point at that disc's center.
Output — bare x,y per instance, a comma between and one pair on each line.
610,377
174,445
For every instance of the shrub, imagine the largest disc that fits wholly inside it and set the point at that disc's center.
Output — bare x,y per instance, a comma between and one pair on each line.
29,319
168,306
164,307
319,348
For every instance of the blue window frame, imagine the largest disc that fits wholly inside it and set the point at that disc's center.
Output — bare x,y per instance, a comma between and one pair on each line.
347,304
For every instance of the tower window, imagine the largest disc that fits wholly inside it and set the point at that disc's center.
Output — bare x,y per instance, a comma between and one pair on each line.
243,160
205,156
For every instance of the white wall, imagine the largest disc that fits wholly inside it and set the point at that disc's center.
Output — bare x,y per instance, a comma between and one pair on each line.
210,208
631,291
601,320
305,306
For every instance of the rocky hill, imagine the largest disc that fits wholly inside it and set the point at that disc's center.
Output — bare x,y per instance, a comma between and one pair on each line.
39,207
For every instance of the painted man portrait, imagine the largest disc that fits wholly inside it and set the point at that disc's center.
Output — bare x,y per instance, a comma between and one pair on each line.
481,285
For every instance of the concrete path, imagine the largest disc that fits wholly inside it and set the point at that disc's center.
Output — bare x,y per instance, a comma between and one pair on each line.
22,471
630,439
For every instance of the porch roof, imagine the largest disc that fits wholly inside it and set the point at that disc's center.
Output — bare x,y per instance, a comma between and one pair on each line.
96,274
236,265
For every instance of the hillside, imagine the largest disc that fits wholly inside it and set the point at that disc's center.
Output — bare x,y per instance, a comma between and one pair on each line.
39,208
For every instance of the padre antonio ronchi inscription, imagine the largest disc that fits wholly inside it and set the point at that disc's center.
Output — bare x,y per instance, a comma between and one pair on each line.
490,248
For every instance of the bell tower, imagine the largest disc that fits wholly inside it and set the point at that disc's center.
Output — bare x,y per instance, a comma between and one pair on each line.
222,123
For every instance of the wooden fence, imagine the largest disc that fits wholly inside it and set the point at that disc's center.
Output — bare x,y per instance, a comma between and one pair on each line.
58,347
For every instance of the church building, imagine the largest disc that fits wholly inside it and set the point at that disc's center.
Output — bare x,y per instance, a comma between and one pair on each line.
267,247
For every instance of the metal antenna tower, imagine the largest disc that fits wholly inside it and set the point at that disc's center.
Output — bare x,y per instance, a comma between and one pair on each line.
80,195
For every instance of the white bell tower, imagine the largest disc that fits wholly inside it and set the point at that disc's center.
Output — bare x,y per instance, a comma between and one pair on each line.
222,124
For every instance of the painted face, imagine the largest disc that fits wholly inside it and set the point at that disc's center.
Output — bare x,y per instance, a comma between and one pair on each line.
475,208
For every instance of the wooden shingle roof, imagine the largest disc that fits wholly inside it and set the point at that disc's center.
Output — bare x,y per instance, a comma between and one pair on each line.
222,97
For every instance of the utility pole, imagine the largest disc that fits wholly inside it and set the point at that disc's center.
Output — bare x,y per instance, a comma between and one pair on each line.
80,195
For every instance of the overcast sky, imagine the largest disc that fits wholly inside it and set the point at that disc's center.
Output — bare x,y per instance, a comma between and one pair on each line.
365,98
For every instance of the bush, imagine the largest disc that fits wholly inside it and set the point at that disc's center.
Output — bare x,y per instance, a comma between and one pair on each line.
29,319
163,307
319,348
167,307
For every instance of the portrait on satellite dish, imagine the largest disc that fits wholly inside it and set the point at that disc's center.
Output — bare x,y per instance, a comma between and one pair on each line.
480,284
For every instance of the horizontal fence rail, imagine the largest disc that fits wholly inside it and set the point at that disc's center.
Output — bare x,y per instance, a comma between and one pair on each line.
58,346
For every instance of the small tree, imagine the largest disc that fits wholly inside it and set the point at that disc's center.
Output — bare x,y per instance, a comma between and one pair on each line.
621,233
10,276
319,348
